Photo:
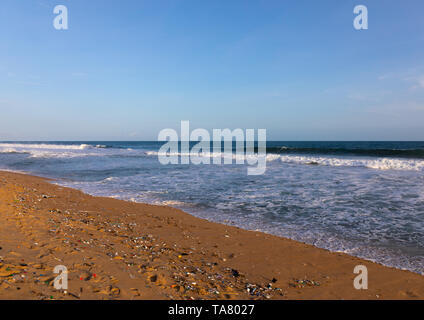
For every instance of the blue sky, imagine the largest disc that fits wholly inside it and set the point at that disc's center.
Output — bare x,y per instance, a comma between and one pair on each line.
125,69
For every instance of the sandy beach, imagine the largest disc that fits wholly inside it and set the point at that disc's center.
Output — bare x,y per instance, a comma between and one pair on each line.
115,249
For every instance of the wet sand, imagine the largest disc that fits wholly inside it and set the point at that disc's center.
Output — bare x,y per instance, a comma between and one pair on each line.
116,249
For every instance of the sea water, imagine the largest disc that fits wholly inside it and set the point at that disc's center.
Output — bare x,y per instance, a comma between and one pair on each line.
362,198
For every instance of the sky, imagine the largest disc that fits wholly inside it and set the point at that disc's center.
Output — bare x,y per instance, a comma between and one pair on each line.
124,70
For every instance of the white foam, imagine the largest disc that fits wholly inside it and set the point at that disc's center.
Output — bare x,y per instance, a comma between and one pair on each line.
43,146
169,203
224,155
44,150
379,163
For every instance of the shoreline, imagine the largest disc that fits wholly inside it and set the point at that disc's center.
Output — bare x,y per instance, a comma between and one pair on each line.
115,249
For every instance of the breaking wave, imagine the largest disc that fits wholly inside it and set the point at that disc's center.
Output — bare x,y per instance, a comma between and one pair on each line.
371,152
44,150
379,163
372,163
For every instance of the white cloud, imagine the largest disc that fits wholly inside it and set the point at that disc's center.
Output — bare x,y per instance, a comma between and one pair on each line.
414,76
420,82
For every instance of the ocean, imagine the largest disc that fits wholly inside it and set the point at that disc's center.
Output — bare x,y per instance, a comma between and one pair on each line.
362,198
